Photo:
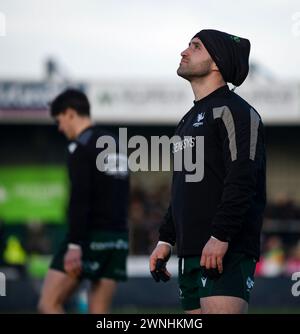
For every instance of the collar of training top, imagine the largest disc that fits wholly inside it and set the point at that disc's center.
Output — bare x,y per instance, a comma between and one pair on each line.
218,92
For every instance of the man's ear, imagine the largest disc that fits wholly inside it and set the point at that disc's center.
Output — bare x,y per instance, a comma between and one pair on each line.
214,66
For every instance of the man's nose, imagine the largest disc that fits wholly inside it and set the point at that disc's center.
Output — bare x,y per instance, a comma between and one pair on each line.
184,53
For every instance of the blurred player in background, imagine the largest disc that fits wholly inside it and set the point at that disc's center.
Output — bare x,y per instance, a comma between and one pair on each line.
216,222
96,245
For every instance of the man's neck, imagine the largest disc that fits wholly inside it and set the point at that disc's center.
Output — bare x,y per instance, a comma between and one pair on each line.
202,87
82,124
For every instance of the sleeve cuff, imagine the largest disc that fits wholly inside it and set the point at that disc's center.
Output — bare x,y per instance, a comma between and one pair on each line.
160,242
220,235
73,246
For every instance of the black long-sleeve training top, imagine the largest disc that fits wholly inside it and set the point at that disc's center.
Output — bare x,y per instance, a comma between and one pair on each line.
229,201
98,199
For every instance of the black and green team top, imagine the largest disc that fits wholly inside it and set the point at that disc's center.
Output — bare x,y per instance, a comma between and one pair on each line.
98,199
229,201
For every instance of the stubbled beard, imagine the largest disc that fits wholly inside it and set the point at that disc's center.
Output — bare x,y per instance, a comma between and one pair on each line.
189,73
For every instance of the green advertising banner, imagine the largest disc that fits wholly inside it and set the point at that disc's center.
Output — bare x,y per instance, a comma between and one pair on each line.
33,193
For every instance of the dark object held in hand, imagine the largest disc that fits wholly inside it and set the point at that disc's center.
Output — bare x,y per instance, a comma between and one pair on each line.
160,271
212,273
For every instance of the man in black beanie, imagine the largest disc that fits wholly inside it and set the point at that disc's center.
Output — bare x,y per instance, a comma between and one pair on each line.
216,222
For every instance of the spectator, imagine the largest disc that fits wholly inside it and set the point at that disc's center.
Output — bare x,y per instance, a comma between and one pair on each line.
292,264
272,260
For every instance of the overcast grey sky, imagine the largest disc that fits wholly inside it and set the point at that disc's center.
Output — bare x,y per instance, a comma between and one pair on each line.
96,39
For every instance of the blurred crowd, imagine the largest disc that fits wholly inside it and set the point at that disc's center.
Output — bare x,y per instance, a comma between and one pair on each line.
146,213
283,207
278,258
